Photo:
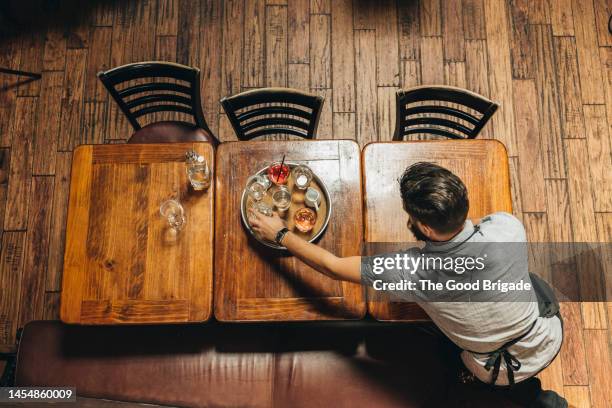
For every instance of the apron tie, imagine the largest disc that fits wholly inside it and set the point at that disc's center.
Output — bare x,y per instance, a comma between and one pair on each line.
494,361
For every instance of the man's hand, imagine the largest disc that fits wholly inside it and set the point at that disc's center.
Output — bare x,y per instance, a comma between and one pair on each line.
266,227
348,268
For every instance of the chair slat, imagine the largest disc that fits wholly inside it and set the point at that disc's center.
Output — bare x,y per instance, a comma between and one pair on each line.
439,122
154,87
276,96
134,103
433,131
443,110
274,121
162,108
276,131
447,94
281,110
153,69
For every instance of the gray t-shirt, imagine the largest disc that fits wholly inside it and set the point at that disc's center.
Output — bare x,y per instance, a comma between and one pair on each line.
483,326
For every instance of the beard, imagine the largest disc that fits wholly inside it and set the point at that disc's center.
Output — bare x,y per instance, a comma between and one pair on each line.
417,233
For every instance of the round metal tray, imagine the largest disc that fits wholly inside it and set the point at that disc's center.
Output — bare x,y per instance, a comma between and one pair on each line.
313,235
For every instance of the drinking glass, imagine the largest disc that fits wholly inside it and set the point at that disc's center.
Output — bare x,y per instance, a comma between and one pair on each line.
305,219
281,198
255,189
174,213
198,173
302,176
262,208
263,179
278,174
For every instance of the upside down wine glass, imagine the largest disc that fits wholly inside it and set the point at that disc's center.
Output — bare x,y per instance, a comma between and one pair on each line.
174,213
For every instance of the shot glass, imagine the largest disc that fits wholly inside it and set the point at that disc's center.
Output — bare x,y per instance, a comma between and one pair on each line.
302,176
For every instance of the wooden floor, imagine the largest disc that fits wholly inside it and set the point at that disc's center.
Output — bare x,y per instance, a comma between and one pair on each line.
548,63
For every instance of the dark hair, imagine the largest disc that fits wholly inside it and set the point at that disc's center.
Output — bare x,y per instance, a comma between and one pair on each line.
434,196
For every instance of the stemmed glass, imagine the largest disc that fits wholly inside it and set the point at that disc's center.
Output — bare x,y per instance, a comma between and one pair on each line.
174,213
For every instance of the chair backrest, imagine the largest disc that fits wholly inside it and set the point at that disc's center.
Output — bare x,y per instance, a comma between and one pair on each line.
145,88
273,111
443,111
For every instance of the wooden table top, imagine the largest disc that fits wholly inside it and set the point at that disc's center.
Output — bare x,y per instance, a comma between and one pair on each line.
122,263
256,283
481,164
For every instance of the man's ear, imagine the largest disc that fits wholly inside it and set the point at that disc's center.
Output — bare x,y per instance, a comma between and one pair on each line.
427,230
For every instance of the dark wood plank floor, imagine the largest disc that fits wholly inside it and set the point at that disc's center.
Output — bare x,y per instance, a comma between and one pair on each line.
549,64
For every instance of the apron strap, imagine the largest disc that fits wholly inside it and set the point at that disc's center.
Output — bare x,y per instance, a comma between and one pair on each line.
495,359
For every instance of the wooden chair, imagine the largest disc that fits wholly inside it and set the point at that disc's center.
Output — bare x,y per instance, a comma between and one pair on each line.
273,111
443,111
146,88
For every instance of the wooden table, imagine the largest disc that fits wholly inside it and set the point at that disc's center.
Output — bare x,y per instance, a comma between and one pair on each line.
481,164
123,264
256,283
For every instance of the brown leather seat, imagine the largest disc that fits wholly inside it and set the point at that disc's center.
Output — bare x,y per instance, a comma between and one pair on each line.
310,365
172,132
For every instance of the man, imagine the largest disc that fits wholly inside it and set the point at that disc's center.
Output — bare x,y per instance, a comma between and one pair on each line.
503,342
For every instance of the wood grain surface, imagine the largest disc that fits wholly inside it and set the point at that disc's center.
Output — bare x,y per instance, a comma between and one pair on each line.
256,283
237,45
122,263
481,164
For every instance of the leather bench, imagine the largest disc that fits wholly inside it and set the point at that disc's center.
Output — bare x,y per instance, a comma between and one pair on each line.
341,364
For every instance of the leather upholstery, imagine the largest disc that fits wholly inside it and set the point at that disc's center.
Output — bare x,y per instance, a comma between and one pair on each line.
172,132
214,365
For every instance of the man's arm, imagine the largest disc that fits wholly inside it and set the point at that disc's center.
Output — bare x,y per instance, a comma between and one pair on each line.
346,269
